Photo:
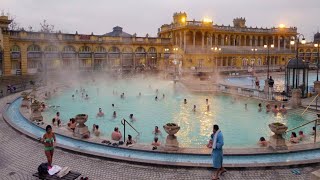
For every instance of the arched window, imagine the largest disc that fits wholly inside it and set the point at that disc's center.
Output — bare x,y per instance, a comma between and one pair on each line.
15,48
127,50
114,49
51,48
69,49
34,48
100,49
140,50
84,49
152,50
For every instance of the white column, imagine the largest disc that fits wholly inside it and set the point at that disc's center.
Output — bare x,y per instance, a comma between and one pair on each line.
184,40
222,39
250,40
194,39
285,42
180,34
278,42
202,39
215,39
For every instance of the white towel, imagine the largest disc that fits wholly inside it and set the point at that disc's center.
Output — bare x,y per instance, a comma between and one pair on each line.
215,137
54,170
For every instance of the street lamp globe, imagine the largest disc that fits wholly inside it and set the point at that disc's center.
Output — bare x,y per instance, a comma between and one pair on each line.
292,41
316,45
303,41
272,46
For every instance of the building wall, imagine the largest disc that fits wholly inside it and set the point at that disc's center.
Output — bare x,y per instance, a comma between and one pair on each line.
192,42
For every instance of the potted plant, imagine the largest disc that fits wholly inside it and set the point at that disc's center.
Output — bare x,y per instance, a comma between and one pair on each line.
278,128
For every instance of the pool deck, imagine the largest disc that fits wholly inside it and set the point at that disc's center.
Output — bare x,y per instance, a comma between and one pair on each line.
20,157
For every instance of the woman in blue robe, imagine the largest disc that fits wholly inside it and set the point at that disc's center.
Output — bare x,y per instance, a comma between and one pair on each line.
217,152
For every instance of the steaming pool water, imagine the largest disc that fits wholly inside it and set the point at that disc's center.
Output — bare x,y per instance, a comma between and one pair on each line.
241,128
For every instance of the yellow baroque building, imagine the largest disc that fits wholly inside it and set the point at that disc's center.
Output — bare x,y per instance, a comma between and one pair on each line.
199,45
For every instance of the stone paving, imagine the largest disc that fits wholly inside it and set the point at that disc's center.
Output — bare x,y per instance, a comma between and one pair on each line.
20,156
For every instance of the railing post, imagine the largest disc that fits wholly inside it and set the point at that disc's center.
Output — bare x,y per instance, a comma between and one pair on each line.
315,130
124,130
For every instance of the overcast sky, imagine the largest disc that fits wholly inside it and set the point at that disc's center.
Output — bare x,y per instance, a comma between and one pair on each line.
146,16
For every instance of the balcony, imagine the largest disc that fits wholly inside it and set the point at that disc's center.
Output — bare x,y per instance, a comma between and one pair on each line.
237,50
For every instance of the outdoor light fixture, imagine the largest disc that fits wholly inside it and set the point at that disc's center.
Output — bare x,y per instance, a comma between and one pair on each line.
207,20
282,26
183,19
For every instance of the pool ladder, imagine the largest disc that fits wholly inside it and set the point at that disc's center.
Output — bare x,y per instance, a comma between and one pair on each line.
316,122
124,122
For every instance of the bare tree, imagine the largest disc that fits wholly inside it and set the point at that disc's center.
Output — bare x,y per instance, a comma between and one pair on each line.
14,25
45,27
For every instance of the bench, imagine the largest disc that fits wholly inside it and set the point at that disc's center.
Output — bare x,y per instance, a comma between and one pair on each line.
72,175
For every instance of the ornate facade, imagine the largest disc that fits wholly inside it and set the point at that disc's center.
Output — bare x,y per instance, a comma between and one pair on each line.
199,44
204,44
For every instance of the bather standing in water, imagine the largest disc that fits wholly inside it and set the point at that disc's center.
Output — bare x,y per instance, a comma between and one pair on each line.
194,108
163,96
156,98
132,118
185,101
207,101
100,113
114,114
260,107
246,107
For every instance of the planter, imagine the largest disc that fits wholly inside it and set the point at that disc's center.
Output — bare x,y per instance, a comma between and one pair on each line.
278,128
81,130
171,128
277,142
172,143
81,119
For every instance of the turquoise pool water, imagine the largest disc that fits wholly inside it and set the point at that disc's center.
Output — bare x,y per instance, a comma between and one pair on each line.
13,114
241,128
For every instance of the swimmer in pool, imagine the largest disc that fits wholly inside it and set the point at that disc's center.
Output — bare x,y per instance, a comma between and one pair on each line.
185,101
260,107
132,118
114,114
100,113
194,108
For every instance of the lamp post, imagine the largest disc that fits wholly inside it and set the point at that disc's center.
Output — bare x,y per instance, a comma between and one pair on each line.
175,62
266,84
317,46
166,51
268,46
254,50
214,51
297,41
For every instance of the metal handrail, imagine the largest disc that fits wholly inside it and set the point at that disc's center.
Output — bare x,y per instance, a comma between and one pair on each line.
123,122
315,125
